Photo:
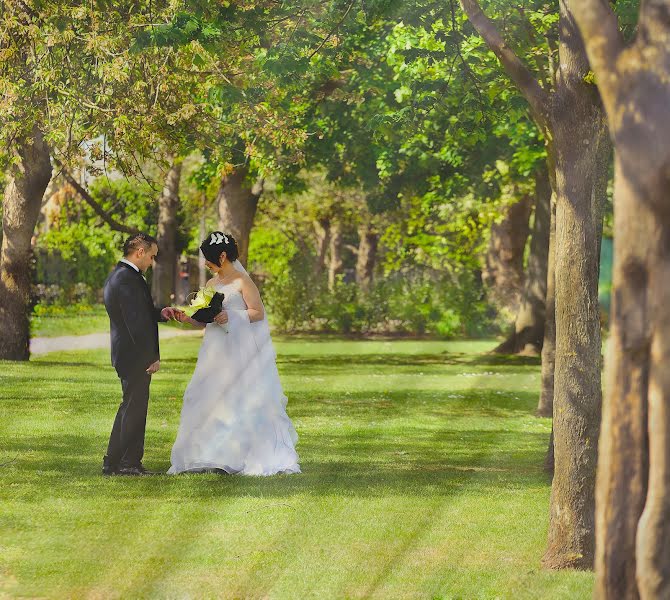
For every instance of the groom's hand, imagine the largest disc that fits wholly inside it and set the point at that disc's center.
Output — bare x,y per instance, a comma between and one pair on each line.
181,316
170,313
153,367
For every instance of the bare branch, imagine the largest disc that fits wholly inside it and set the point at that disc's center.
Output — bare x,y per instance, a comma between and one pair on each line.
83,102
337,26
537,97
101,212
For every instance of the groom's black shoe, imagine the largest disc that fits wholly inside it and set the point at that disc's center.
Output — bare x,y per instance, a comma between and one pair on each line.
135,470
109,468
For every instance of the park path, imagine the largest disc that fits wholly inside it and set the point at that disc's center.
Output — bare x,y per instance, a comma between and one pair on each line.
43,345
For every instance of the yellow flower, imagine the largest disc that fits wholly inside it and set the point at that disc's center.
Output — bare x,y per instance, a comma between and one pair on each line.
201,300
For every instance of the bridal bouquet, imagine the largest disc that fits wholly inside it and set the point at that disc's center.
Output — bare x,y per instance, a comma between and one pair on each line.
206,305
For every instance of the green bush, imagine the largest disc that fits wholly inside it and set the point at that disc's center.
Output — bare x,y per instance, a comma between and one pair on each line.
411,304
414,301
64,318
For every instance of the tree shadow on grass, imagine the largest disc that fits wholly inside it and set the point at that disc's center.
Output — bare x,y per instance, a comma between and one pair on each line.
370,443
409,360
411,403
501,360
36,364
328,362
376,464
365,448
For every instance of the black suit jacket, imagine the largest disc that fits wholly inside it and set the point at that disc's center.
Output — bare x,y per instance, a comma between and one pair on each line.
133,321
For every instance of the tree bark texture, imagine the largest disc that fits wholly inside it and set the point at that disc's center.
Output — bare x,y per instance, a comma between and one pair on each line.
503,273
27,182
335,264
583,152
633,485
237,201
322,231
528,333
545,406
549,456
366,256
164,280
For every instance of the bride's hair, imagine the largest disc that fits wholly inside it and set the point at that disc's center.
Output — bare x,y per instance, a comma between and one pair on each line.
216,243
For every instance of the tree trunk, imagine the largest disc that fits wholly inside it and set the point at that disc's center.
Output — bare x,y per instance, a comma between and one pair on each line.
624,467
503,273
572,120
652,544
634,476
549,456
545,406
633,487
528,333
322,229
164,279
366,256
237,202
335,265
27,182
583,152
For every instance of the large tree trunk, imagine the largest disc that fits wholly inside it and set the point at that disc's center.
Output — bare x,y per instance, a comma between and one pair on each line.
336,264
503,273
322,230
572,120
366,256
652,544
28,180
545,405
164,279
237,202
633,488
581,180
528,333
624,465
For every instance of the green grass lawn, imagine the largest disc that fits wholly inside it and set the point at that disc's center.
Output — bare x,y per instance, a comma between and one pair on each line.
55,321
422,479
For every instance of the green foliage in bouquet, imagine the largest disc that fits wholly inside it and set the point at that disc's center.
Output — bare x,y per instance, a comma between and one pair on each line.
201,300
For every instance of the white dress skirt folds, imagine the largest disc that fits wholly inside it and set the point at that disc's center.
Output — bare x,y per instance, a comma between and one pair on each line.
234,412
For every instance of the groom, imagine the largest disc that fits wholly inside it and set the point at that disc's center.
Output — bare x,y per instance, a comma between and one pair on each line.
135,354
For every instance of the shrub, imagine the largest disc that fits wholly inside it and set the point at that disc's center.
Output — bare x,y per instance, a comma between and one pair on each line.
409,303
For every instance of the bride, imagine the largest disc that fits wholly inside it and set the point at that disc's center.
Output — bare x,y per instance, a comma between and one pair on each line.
234,414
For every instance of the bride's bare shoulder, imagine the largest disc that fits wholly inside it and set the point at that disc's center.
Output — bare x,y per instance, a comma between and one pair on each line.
246,280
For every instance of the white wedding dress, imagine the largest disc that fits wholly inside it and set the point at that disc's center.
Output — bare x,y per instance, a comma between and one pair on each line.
234,412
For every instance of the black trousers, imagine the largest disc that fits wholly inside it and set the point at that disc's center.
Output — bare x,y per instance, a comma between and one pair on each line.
126,443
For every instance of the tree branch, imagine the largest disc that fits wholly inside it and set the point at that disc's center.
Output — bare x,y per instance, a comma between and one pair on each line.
536,96
101,212
323,42
459,54
599,28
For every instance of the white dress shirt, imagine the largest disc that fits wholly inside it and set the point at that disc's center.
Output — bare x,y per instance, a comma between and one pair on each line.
134,266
